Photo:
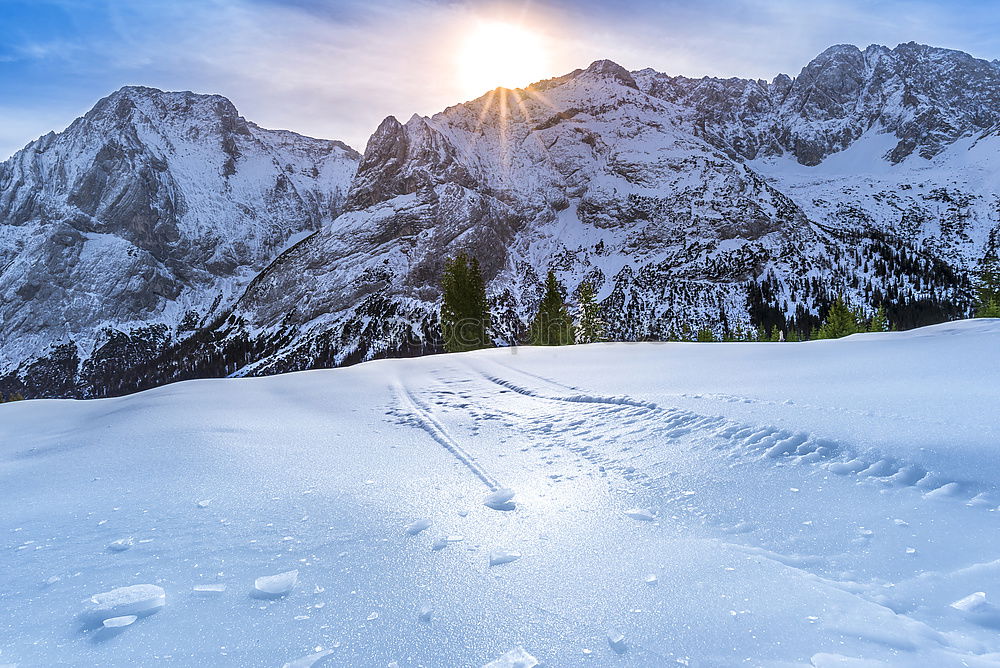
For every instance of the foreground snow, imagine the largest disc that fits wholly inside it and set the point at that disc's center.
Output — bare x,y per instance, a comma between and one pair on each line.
622,504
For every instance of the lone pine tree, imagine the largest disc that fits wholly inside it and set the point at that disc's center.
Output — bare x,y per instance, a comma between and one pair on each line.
988,301
840,321
590,326
553,325
465,313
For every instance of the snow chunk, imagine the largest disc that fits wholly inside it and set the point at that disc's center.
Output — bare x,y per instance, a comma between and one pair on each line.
121,544
204,503
971,603
498,557
515,658
426,614
651,579
209,589
617,642
500,499
141,599
643,514
119,622
309,660
413,528
277,585
442,543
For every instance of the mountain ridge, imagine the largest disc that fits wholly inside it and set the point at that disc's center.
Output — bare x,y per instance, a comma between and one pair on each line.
661,190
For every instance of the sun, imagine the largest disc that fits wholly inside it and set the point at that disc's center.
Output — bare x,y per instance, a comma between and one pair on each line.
496,54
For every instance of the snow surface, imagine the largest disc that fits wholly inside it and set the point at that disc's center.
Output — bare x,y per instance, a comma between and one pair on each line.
788,484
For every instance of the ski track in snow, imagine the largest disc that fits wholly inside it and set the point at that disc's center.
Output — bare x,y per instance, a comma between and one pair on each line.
422,417
561,416
768,442
600,418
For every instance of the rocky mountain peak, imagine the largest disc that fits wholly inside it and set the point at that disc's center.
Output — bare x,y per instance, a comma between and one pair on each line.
611,70
145,105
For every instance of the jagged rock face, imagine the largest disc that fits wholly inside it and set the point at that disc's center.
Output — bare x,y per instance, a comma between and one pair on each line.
585,173
720,204
152,208
927,97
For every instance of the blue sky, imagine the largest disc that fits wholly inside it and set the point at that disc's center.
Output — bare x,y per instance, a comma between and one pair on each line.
336,68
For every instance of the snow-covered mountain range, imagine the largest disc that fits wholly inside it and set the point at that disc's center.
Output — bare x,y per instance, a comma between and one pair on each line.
148,241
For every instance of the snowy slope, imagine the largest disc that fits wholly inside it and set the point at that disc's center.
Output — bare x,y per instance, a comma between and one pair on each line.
947,206
711,504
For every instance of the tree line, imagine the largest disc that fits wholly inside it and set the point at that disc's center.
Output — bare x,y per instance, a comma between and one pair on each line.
465,315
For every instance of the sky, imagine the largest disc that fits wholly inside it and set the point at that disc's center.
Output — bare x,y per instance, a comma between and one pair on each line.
336,68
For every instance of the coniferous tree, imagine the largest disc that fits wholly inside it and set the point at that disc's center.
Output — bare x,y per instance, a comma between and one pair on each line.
480,307
879,323
840,321
988,302
705,335
590,326
464,308
552,325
